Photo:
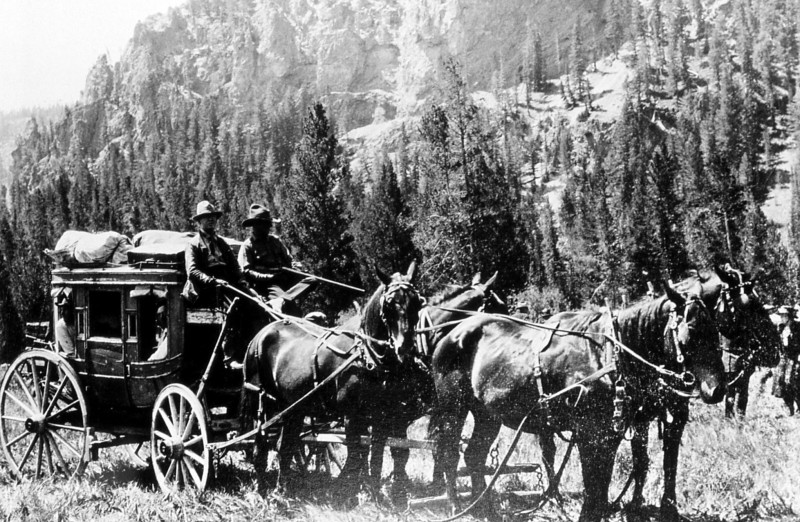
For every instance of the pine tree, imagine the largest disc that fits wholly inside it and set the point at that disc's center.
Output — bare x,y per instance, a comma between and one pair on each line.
317,228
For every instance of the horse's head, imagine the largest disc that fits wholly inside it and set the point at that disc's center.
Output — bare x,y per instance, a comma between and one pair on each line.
398,308
477,297
694,343
742,318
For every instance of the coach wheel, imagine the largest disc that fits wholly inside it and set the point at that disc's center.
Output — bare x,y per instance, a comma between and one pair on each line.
43,417
179,440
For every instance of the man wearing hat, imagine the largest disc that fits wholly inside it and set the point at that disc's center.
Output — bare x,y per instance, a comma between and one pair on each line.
261,258
210,261
65,326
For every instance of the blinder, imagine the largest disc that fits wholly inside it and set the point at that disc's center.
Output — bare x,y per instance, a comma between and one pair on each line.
389,298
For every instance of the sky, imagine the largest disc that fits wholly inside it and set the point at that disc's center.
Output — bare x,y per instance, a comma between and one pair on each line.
48,46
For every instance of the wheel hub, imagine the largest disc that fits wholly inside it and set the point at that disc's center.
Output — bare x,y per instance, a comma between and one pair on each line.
35,424
172,448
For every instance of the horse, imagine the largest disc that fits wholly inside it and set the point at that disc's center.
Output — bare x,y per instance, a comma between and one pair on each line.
786,378
437,318
742,353
739,317
567,375
288,359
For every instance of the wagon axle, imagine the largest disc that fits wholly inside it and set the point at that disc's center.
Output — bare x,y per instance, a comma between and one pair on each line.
171,448
36,424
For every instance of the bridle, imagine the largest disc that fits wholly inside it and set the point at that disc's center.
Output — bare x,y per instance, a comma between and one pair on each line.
387,298
676,332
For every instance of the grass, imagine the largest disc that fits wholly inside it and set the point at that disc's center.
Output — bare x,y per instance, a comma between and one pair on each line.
730,470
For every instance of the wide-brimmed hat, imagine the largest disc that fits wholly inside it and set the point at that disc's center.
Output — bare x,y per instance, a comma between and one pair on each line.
205,208
258,214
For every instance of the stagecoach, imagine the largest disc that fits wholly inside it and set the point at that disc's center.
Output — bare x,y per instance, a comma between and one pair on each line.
145,374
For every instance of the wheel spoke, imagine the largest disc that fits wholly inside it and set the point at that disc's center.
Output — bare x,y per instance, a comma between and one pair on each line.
14,419
178,473
36,389
186,476
161,435
49,451
171,470
181,415
189,425
194,456
39,452
21,404
167,422
18,438
193,441
173,414
46,387
56,395
59,456
68,427
193,472
63,410
66,443
28,451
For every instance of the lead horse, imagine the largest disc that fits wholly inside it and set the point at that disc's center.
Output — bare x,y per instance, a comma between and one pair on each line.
504,372
288,359
739,317
746,347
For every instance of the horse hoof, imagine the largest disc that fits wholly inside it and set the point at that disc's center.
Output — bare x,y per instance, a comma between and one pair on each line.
398,494
669,512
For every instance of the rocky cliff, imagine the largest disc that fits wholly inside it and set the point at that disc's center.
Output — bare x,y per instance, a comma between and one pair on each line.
367,57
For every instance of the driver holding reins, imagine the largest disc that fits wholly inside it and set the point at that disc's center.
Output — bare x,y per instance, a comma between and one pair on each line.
211,263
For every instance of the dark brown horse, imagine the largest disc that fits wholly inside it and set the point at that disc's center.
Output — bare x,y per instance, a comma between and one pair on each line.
414,391
786,377
489,366
739,316
287,359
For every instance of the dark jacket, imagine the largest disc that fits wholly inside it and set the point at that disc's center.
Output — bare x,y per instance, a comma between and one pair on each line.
202,270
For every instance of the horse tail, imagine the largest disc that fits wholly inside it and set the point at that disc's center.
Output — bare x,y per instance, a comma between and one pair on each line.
252,388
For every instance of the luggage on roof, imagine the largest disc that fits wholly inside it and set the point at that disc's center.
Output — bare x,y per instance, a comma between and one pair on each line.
76,247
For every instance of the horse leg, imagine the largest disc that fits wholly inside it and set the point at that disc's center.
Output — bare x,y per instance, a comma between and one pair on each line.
730,400
261,463
288,445
597,446
744,394
640,463
483,435
399,488
673,432
548,445
444,429
357,454
376,452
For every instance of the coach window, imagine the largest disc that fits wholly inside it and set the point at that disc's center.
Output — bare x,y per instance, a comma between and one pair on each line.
105,319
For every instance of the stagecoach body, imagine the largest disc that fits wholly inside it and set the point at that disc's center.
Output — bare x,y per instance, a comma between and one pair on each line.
58,409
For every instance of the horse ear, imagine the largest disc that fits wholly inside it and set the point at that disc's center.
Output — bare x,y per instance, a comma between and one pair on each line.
490,282
411,271
672,294
385,279
476,280
724,275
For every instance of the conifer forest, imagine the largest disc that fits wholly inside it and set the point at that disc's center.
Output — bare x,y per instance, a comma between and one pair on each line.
675,182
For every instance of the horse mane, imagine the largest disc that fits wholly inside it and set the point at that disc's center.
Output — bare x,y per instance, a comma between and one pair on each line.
371,321
447,295
642,323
